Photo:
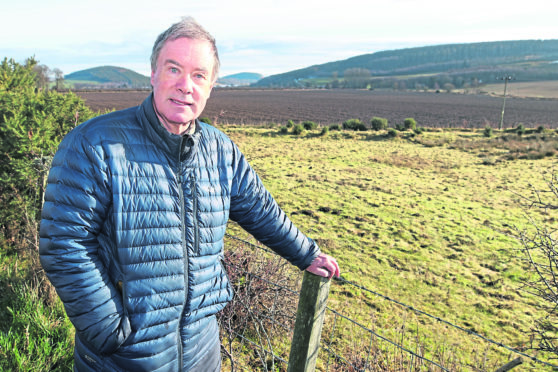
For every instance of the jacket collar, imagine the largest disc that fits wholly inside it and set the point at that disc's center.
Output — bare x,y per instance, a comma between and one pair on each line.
170,143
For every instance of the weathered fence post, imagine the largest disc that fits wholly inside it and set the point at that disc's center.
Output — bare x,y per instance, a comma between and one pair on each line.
309,320
510,365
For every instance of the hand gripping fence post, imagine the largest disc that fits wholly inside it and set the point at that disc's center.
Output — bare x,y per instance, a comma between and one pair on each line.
308,325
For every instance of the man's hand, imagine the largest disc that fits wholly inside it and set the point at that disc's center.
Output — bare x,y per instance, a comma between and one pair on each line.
325,266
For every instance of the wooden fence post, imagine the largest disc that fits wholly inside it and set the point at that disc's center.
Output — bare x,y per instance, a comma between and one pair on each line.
309,320
510,365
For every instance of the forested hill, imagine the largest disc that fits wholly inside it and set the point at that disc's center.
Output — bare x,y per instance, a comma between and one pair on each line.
525,59
110,76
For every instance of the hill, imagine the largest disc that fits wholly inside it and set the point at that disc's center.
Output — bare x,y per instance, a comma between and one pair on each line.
459,65
107,77
243,78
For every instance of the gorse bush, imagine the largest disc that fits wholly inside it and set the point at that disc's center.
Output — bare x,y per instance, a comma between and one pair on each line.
392,133
290,123
354,124
205,120
487,132
334,127
378,123
34,333
32,124
410,124
298,129
309,125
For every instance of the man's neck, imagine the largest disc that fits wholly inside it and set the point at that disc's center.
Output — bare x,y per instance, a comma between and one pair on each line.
179,129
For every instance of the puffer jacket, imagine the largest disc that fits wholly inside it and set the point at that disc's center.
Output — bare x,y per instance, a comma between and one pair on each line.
132,234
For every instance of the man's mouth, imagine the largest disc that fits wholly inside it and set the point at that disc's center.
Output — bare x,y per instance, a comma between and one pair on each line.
179,102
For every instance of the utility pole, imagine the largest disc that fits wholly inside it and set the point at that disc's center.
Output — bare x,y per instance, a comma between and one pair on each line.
506,79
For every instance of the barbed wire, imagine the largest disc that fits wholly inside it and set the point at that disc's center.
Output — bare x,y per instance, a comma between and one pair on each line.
386,339
408,307
471,332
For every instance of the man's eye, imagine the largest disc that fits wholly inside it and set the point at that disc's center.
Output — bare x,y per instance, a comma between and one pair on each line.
174,70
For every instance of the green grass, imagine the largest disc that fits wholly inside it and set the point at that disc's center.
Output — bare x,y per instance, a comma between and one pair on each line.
425,222
35,333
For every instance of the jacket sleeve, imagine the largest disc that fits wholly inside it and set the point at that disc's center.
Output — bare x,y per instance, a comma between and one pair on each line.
77,199
253,208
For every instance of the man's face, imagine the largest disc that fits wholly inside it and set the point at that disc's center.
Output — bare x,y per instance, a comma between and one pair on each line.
182,82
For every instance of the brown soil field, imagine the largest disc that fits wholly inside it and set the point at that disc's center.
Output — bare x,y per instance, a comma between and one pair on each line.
536,89
442,110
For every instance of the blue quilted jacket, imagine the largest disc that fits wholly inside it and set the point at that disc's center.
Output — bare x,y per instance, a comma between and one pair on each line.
132,237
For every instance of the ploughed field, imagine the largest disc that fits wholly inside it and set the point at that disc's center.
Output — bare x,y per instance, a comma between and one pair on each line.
442,110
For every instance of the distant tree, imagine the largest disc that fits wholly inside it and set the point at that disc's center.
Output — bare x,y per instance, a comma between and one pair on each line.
356,77
448,87
58,78
42,78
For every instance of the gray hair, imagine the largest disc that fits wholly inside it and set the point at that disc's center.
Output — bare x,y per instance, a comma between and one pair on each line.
188,28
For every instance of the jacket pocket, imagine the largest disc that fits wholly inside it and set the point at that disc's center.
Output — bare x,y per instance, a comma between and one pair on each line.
225,277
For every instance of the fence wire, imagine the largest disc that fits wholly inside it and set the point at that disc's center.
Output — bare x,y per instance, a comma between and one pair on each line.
257,326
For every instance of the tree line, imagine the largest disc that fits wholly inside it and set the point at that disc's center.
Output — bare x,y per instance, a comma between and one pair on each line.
528,59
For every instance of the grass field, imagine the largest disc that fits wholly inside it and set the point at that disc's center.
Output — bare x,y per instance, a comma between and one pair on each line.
424,219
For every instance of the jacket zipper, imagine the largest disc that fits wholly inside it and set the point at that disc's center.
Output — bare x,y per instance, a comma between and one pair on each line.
185,253
194,188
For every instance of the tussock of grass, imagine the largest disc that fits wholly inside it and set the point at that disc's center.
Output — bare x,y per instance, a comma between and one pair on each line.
35,334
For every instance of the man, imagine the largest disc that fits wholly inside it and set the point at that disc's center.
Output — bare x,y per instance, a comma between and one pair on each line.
135,213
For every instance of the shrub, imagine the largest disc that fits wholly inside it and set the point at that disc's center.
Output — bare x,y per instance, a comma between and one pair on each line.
325,130
32,124
334,127
487,132
309,125
410,124
290,123
520,130
283,130
391,133
206,120
354,124
298,129
378,123
540,129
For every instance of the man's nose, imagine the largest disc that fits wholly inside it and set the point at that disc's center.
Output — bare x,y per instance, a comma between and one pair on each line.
184,84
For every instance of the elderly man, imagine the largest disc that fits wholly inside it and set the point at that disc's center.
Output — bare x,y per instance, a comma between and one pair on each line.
135,213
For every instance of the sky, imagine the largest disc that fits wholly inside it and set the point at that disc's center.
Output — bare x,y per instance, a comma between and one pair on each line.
261,36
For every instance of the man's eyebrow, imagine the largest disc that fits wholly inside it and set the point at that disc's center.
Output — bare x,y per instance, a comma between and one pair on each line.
172,62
